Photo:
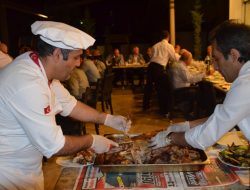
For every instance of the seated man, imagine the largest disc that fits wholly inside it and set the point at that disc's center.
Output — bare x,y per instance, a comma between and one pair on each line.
177,49
98,61
116,59
136,58
77,83
148,55
90,69
5,59
182,79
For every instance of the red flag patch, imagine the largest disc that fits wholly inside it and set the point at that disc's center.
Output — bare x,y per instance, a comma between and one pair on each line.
47,110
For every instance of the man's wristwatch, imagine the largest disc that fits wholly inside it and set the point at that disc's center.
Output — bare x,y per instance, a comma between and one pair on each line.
169,138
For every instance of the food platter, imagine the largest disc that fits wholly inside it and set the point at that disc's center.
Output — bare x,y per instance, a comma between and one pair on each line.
237,156
140,157
67,161
82,158
231,165
146,166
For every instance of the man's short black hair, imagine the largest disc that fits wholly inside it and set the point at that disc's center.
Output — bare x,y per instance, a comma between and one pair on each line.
231,35
165,34
44,49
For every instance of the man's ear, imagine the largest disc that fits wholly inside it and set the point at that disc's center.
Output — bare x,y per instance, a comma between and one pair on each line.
235,54
56,54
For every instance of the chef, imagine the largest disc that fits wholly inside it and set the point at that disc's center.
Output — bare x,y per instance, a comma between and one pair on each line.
231,56
30,97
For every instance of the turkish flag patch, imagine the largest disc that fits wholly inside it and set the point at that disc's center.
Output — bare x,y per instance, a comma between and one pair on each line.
47,110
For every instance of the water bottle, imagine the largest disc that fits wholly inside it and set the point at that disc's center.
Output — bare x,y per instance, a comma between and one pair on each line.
208,63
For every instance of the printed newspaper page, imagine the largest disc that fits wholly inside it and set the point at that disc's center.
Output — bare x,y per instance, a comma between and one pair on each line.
214,174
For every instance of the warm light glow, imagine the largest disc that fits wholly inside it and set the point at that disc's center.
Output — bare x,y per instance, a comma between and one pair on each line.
41,15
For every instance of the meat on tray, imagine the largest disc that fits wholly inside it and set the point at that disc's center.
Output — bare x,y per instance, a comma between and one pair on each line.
84,157
140,153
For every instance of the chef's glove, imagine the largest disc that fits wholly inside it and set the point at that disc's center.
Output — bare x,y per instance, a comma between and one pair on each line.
101,144
179,127
118,122
161,140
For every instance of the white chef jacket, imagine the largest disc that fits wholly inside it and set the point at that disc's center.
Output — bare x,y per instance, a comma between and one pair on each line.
162,52
235,110
28,130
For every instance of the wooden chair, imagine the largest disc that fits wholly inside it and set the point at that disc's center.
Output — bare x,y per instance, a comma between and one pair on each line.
183,100
208,98
105,92
90,98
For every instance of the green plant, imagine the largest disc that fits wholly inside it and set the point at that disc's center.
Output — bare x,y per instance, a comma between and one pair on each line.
196,20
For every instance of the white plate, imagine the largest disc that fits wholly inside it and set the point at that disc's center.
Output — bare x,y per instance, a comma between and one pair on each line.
231,165
235,137
67,161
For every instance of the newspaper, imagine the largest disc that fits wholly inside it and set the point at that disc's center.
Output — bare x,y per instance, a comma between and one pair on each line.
214,174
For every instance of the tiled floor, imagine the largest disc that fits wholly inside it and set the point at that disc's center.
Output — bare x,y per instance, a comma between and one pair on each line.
125,102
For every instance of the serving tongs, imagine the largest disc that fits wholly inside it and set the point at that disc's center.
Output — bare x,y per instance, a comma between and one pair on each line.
123,146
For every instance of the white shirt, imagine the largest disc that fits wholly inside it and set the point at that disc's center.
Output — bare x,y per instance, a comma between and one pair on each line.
235,110
90,70
162,52
28,129
182,77
77,83
5,59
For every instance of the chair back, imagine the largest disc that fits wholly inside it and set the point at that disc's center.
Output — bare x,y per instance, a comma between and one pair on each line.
207,96
106,91
107,85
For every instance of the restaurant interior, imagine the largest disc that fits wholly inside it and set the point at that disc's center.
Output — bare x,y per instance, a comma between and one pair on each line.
125,25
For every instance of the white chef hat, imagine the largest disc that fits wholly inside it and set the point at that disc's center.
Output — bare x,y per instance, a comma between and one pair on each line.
62,35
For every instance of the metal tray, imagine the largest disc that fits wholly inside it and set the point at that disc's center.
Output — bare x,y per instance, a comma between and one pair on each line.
194,166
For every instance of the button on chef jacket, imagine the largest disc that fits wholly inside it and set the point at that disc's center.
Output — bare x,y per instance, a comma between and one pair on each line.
28,130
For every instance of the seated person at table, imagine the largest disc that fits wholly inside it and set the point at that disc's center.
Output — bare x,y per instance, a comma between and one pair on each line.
5,59
177,49
231,55
98,61
209,53
136,58
24,48
90,69
77,83
88,53
148,55
182,78
116,59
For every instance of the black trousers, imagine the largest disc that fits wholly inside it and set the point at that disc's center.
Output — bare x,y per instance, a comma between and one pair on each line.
156,75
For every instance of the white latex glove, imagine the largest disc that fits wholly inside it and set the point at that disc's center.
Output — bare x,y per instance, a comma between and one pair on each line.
118,122
160,140
101,144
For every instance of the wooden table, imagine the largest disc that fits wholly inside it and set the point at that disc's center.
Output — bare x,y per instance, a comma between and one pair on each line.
124,68
218,82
